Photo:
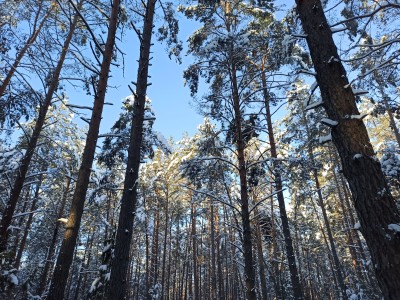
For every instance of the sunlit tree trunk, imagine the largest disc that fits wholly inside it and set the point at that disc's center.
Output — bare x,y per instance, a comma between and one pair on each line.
65,255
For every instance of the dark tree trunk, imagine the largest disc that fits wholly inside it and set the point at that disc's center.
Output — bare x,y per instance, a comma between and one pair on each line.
244,194
26,160
65,256
119,265
373,202
294,277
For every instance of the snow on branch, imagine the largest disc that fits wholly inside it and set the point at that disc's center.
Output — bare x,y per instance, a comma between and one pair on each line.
358,92
314,105
338,29
325,139
329,122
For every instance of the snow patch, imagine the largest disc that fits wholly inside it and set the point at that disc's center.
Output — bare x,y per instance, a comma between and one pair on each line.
394,227
324,139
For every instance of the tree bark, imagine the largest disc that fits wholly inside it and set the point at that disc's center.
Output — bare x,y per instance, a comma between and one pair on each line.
244,194
373,202
123,239
65,256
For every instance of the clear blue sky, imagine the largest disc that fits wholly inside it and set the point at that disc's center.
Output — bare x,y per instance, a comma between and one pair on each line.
171,100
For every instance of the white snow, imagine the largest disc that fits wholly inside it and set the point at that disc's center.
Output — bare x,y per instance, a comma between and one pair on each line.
329,122
357,156
103,268
63,220
357,92
338,29
314,105
394,227
357,226
325,139
358,117
13,279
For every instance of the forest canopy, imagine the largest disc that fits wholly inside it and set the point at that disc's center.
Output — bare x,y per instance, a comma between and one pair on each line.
288,189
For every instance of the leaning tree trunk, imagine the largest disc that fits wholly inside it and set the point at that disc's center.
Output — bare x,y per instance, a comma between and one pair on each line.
373,202
294,277
26,160
119,265
66,253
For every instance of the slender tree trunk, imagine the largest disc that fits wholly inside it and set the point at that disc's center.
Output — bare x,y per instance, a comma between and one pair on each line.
213,265
166,227
31,39
65,256
373,202
294,277
28,224
244,197
263,282
338,271
19,181
194,252
129,198
52,247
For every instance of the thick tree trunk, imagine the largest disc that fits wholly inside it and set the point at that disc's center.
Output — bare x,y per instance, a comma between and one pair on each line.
294,277
119,265
65,256
373,202
23,170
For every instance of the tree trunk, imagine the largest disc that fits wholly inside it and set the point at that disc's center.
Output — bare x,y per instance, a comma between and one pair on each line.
50,253
195,272
65,256
373,202
294,277
123,239
244,196
338,271
28,224
19,181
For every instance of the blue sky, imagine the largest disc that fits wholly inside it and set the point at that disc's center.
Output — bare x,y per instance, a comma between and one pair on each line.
173,106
